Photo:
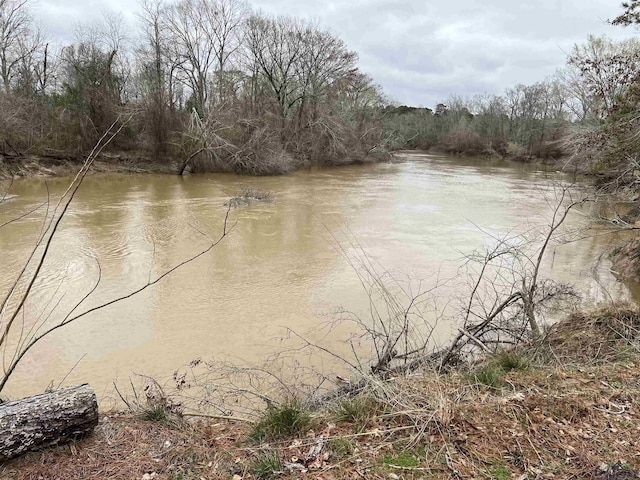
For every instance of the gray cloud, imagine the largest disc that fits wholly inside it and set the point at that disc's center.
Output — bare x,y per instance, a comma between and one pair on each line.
420,51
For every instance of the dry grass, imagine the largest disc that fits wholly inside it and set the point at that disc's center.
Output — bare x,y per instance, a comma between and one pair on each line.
587,338
127,447
546,421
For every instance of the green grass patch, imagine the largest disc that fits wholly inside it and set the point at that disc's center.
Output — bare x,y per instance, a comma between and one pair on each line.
358,410
492,373
341,447
267,466
499,472
155,414
403,459
289,419
489,375
509,361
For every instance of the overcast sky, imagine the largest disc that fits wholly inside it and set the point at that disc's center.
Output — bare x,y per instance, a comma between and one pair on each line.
420,51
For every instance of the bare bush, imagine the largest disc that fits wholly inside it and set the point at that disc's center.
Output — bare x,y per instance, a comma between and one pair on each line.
463,142
261,151
24,124
225,389
333,141
247,147
503,306
549,150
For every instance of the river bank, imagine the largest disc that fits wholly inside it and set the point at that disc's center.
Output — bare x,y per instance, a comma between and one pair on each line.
566,408
68,164
123,162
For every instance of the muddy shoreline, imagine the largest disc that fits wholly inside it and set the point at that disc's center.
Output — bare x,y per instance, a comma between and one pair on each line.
56,165
66,164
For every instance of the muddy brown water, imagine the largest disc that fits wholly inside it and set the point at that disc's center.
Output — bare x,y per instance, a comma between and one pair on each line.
283,264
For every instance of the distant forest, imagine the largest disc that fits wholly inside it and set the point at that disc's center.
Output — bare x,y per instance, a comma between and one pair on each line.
214,85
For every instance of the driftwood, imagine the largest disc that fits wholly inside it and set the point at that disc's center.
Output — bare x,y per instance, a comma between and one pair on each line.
47,419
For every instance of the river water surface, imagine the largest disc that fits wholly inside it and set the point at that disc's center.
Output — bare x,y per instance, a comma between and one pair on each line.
282,265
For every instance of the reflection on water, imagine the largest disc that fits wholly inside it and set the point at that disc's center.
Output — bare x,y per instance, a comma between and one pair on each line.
281,266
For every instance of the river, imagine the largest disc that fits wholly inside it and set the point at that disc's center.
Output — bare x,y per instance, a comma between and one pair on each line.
284,263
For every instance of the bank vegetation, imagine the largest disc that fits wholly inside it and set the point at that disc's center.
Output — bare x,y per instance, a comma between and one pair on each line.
564,408
217,85
585,114
210,85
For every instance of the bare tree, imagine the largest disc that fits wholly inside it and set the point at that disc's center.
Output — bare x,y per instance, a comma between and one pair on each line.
227,18
109,36
275,46
156,76
15,29
205,34
580,101
608,70
324,62
192,50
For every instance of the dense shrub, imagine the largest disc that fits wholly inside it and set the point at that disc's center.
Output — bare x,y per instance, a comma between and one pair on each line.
463,142
548,150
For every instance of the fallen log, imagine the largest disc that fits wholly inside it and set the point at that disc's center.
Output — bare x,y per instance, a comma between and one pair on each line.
48,419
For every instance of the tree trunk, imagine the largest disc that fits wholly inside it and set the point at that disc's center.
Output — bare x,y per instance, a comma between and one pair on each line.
47,419
529,310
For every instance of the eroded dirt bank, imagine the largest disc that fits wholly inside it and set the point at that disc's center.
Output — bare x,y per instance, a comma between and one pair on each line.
30,166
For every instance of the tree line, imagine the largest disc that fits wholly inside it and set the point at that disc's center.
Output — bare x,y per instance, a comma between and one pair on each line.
210,83
213,84
587,110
